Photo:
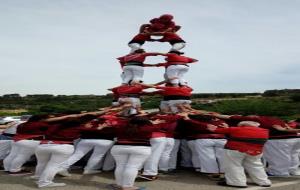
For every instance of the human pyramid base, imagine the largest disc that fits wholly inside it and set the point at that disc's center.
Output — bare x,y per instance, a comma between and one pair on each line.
136,143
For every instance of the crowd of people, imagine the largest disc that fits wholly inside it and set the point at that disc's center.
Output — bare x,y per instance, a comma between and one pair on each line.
140,144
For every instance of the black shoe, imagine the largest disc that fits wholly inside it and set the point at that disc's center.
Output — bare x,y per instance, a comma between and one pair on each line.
223,183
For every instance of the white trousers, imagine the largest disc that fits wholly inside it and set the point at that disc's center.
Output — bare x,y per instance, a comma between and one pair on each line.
135,105
174,103
20,153
5,146
186,155
236,162
177,46
174,153
282,156
164,161
132,72
194,154
210,153
175,73
157,148
99,147
134,47
129,159
49,157
164,106
109,162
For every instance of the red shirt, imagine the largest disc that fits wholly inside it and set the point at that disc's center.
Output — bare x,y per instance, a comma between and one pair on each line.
168,128
124,90
175,58
134,57
198,130
246,139
172,38
175,91
32,130
62,134
139,136
158,26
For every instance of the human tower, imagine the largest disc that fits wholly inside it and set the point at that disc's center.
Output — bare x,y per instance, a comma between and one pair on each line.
175,91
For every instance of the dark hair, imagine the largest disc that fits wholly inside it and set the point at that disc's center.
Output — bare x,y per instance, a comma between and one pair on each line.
136,122
38,117
139,120
205,118
139,51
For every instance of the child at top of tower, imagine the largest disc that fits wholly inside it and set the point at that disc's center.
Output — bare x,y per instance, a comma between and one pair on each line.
160,25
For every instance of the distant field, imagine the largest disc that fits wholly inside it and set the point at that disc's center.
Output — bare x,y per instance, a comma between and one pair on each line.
280,103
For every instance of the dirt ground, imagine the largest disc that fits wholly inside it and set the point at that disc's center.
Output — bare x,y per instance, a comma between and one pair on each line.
182,180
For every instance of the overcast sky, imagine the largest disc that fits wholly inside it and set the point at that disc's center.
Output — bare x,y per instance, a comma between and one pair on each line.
70,46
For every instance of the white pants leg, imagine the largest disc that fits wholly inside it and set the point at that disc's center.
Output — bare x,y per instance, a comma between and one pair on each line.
174,153
81,149
126,75
128,161
101,146
8,159
294,167
22,152
219,148
186,154
157,147
277,153
5,146
164,106
109,162
133,72
234,170
55,154
255,168
174,103
181,74
172,73
195,158
134,46
166,154
177,46
207,154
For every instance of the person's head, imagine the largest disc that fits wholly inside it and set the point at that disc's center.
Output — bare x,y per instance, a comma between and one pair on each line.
248,123
39,117
139,121
165,18
204,118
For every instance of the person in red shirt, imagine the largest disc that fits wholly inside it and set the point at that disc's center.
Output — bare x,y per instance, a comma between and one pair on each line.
162,27
174,96
281,152
56,147
131,150
243,151
96,135
176,67
130,94
133,65
162,143
207,146
26,140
